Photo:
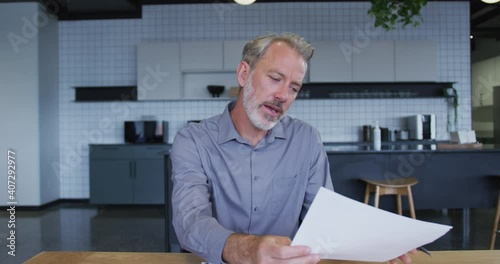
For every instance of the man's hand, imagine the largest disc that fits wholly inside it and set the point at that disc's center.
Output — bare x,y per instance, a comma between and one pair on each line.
404,258
240,248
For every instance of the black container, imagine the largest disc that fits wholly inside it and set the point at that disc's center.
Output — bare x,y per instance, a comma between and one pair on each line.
145,132
367,133
385,134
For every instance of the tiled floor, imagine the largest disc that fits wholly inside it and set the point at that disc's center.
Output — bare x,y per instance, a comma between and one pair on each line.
80,227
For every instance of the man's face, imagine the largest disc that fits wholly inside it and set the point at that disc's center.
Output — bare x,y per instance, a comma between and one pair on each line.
272,85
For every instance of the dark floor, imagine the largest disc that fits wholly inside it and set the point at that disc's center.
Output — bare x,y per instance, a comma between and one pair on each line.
80,227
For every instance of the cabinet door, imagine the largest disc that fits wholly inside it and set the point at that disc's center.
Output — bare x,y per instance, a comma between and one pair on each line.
201,55
415,60
374,63
111,182
149,181
330,62
158,71
232,53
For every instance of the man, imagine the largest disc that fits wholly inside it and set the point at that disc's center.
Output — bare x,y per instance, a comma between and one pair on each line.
244,179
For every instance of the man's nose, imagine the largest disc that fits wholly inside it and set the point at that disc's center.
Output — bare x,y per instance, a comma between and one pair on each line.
282,93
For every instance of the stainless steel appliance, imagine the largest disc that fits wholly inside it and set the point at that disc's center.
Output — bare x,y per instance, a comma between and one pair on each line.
422,126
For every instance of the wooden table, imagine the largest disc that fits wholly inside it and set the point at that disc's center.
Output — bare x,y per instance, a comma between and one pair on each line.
439,257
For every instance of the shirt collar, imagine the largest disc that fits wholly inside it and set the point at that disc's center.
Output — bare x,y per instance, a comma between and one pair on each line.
227,131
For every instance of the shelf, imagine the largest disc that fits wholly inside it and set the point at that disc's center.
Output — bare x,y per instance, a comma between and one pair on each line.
366,90
105,93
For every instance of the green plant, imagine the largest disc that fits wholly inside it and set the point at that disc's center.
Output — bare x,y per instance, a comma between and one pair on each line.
452,96
389,12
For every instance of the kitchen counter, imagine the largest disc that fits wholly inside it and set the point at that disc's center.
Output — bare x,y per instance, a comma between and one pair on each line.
409,146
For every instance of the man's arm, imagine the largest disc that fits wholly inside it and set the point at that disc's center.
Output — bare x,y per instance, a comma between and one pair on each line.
241,248
196,228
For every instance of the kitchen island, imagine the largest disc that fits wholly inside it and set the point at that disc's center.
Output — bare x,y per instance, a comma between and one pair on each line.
448,177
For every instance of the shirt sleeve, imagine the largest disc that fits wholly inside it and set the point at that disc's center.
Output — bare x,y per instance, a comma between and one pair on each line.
196,228
319,172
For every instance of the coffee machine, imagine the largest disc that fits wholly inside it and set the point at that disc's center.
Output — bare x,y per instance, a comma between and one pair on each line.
422,126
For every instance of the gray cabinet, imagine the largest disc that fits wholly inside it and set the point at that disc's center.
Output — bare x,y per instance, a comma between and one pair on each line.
201,55
111,182
331,63
158,71
415,60
233,50
374,63
127,174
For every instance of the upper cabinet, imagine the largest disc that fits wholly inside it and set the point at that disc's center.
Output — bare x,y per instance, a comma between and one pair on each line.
376,61
233,50
201,55
373,62
183,70
415,60
329,63
158,71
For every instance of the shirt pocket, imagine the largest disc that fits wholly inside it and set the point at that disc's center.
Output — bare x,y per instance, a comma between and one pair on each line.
284,194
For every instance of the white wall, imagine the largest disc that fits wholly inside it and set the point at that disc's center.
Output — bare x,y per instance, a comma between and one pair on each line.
49,108
29,101
103,53
19,103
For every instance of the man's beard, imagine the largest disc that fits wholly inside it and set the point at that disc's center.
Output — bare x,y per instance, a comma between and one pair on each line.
251,106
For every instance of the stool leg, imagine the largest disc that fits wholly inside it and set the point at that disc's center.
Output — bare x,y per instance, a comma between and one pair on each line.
410,201
400,207
377,195
495,225
367,193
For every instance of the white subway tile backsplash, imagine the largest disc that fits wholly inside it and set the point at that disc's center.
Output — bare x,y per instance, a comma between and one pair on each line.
103,53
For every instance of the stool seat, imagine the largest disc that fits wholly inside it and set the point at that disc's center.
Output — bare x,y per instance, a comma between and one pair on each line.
397,183
400,186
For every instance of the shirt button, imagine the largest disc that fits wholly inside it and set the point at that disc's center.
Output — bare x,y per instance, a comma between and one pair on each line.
255,209
255,177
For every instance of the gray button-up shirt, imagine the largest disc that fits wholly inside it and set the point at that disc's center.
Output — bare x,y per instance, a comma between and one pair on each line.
222,184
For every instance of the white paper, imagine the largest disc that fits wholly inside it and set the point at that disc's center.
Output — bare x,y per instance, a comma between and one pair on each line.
337,227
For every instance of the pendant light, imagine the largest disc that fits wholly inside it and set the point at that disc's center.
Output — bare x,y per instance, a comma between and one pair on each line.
249,2
491,1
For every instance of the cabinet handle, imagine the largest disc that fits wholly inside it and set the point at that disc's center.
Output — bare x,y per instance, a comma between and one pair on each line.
131,169
135,170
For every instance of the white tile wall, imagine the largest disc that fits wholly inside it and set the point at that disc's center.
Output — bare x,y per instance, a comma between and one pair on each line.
103,52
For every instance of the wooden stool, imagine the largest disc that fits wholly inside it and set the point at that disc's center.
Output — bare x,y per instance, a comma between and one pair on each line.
495,225
397,187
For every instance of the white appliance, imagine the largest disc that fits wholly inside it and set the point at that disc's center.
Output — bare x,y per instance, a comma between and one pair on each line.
422,127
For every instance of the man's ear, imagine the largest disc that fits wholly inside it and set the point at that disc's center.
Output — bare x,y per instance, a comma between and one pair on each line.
242,73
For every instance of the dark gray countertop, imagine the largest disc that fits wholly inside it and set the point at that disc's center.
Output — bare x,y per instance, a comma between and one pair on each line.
406,146
360,147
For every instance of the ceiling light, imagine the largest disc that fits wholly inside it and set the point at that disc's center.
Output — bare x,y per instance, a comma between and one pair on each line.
249,2
491,1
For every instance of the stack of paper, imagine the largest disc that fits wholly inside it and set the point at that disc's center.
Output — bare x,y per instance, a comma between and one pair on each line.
337,227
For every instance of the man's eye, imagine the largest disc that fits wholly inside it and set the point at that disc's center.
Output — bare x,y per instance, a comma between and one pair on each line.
295,89
274,79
